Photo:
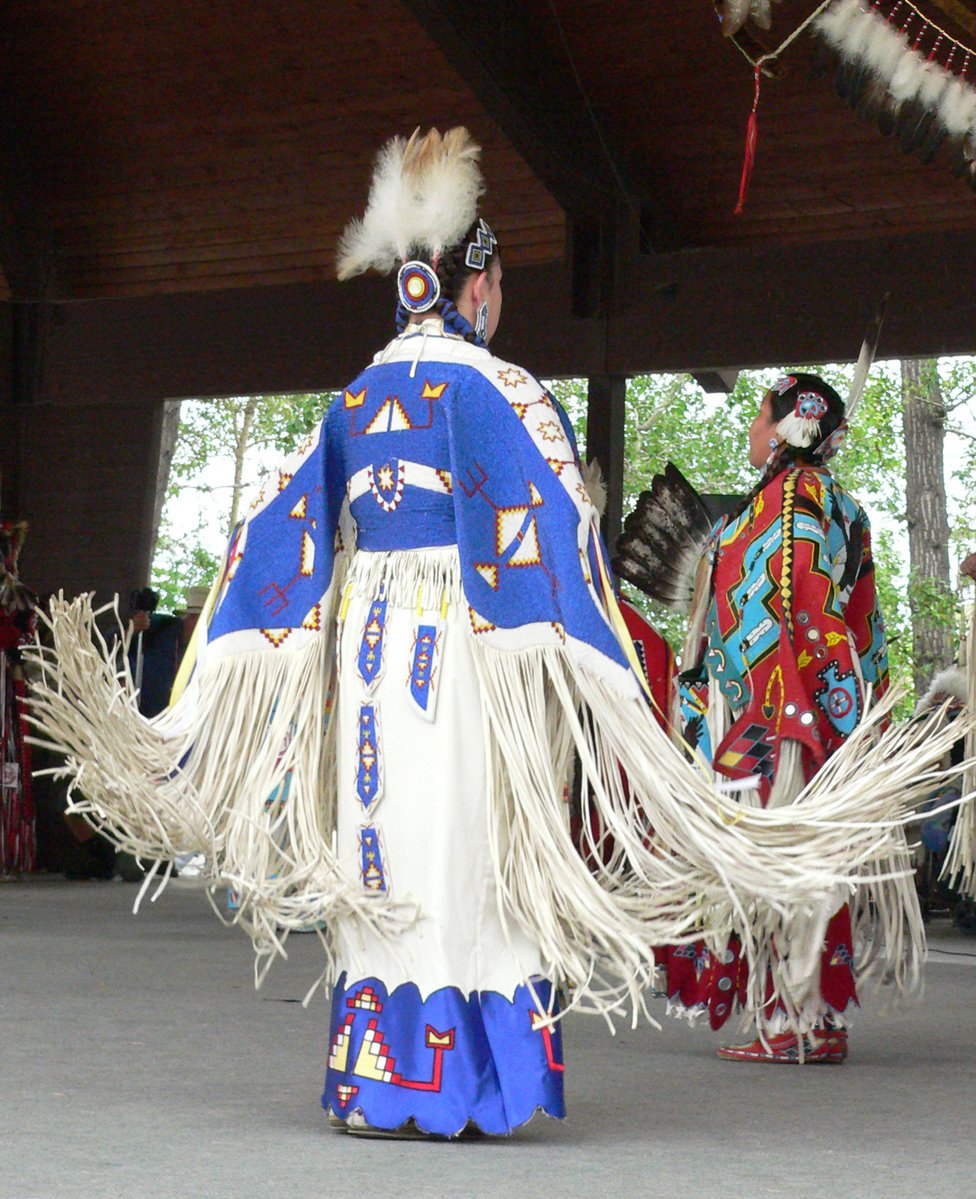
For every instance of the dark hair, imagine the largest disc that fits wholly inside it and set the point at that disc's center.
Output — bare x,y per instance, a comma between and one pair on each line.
782,401
453,272
144,600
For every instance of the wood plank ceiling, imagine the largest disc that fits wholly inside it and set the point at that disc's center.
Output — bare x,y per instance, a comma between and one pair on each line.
674,98
185,146
201,144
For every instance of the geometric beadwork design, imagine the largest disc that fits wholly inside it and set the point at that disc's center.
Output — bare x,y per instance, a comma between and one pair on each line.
365,1000
339,1049
481,247
418,287
368,775
426,652
345,1093
372,870
371,646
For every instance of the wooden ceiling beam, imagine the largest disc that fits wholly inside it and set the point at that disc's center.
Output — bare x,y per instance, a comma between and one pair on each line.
503,55
27,253
703,310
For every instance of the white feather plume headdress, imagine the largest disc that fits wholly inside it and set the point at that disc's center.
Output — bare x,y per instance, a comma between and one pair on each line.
423,198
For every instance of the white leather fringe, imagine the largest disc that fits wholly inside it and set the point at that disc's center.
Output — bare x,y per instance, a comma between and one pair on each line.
240,769
243,769
688,861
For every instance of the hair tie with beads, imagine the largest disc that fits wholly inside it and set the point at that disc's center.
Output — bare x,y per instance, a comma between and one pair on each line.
418,287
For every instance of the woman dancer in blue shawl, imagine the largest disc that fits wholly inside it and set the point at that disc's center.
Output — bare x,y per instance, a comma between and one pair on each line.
413,634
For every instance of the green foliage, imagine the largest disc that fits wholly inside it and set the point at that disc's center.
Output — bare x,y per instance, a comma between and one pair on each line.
212,429
180,564
224,447
669,418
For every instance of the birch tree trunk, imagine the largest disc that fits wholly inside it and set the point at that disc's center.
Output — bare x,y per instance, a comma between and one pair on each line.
242,442
930,595
167,445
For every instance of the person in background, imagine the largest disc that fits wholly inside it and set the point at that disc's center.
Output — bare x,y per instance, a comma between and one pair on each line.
785,627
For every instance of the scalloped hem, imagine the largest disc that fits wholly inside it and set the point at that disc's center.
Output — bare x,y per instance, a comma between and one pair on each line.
470,1128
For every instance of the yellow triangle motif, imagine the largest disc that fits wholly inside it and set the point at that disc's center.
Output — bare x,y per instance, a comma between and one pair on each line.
391,418
478,623
508,523
339,1057
373,1061
432,392
528,553
489,573
313,621
357,400
308,554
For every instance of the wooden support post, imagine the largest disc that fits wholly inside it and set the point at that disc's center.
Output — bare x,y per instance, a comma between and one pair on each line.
605,416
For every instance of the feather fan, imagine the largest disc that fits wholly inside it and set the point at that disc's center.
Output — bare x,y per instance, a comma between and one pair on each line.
663,540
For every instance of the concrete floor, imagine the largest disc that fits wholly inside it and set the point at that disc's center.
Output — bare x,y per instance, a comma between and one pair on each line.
137,1060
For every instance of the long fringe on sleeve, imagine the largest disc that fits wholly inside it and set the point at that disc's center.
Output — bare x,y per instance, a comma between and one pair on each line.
687,860
241,768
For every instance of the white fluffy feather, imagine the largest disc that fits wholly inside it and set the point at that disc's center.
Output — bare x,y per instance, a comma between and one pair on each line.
861,34
423,198
836,22
445,182
949,683
799,431
371,240
958,108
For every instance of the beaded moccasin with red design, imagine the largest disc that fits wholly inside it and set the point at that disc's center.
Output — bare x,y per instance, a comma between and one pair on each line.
821,1046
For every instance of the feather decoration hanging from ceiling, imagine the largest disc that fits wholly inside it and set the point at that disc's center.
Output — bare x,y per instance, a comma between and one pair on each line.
901,71
735,13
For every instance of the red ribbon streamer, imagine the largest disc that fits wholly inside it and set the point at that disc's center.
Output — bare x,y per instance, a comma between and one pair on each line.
752,137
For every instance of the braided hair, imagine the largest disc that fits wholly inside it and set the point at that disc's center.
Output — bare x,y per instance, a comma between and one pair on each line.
452,272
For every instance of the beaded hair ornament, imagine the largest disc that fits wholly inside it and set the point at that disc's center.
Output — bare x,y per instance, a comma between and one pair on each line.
801,427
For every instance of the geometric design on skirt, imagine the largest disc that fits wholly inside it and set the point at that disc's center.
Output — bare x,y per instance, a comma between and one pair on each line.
540,1024
369,777
339,1049
345,1093
365,1000
375,1060
448,1057
372,870
370,662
